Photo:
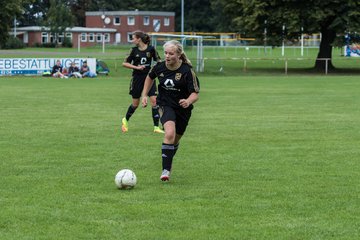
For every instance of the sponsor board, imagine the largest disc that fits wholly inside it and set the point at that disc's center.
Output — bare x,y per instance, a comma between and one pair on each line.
37,66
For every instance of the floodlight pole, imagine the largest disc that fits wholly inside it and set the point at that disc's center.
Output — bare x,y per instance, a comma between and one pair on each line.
15,26
79,35
103,43
283,41
302,41
182,17
265,33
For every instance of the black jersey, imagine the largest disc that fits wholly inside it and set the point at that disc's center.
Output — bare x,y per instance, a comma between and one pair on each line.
174,84
139,57
56,69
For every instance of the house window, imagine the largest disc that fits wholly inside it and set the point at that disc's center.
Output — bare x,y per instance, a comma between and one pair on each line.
91,37
83,37
106,37
117,21
60,38
117,37
146,20
131,20
51,38
69,35
166,21
129,36
99,37
44,37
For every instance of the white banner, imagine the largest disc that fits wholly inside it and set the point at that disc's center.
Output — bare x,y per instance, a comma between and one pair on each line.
37,66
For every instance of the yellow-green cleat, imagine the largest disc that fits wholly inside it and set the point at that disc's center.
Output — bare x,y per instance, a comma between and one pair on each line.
158,130
124,126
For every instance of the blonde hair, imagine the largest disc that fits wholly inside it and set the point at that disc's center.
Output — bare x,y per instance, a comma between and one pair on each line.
179,49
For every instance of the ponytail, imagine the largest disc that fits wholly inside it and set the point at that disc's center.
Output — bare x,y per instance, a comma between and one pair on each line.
185,59
145,38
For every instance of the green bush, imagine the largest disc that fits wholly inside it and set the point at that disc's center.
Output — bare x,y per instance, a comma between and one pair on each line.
67,43
49,45
13,43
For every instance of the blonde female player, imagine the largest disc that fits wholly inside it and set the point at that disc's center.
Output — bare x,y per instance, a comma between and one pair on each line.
178,90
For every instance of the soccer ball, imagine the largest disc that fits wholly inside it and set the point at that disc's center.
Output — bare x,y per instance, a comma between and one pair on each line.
125,179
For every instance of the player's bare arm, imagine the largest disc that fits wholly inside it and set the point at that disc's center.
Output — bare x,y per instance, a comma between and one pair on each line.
185,103
148,83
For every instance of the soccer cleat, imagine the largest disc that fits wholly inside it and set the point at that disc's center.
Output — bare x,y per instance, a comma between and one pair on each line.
158,130
124,126
165,175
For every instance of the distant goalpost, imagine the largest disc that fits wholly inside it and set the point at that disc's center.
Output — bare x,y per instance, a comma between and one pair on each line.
163,37
85,37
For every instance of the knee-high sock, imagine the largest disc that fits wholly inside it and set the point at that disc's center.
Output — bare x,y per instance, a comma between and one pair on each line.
176,146
130,112
167,155
155,115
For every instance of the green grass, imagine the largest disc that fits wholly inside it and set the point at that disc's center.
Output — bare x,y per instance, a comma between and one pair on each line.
264,157
218,61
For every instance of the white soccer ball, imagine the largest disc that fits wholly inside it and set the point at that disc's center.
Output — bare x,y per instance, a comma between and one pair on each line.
125,179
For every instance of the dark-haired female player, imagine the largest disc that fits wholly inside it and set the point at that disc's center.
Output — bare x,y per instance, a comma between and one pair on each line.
140,59
178,90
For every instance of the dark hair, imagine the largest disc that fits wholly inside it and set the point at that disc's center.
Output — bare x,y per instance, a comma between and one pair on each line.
145,38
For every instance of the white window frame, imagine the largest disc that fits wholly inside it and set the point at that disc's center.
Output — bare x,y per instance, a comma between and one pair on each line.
166,21
129,36
52,38
131,20
60,38
106,37
83,37
118,37
117,23
146,20
91,37
68,35
99,37
44,36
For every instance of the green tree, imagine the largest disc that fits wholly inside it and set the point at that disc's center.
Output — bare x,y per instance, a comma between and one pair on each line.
329,18
199,16
8,11
78,9
59,18
34,13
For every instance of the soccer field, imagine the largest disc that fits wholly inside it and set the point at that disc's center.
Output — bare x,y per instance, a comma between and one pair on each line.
263,158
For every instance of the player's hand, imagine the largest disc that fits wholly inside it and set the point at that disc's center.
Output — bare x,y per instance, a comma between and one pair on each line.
184,103
144,102
141,67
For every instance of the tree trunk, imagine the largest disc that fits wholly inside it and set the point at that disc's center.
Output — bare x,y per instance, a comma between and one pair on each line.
325,51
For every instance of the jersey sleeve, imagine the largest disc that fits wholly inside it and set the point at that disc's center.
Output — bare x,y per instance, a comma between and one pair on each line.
153,71
193,83
130,58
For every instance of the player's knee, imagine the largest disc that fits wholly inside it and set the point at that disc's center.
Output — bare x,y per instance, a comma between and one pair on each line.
170,135
135,106
153,102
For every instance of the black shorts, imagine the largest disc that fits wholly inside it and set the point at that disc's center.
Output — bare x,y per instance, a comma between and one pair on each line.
180,116
137,86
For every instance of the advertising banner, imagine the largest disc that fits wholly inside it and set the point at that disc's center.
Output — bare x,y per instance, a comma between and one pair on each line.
37,66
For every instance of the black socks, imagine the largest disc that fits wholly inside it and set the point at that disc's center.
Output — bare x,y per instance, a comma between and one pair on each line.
155,115
130,112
